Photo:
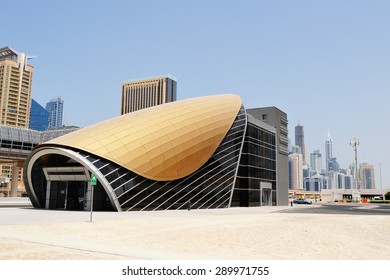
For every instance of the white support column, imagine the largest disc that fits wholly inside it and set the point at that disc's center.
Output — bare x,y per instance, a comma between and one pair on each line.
14,178
48,189
89,194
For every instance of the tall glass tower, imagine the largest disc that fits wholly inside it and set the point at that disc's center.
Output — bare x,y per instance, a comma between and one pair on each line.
39,117
55,107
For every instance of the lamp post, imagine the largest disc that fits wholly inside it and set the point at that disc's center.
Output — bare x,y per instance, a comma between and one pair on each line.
93,183
354,142
380,178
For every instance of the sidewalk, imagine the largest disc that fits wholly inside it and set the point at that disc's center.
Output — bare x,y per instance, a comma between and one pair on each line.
15,202
235,233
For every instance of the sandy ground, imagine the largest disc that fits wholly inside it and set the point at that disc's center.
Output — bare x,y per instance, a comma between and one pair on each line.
252,233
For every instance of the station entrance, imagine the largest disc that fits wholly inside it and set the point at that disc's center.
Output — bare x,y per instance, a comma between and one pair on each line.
265,194
71,195
67,188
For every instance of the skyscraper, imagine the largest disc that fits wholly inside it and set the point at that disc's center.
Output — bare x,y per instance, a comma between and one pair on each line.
367,176
295,172
140,94
55,107
316,162
328,151
15,88
300,141
39,117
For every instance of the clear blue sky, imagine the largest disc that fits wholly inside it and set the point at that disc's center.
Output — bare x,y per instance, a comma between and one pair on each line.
325,63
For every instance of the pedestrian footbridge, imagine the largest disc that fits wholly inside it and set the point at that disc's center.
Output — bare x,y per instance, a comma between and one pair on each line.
17,143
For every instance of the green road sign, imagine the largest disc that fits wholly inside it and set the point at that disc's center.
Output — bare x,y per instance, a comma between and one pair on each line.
93,179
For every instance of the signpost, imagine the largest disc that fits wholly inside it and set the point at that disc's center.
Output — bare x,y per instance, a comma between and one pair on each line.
93,183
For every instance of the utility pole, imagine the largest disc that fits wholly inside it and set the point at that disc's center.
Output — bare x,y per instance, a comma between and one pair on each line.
354,142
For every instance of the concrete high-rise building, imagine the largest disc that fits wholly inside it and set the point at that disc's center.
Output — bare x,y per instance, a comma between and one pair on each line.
15,88
55,107
328,151
300,141
141,94
39,117
15,101
295,172
367,176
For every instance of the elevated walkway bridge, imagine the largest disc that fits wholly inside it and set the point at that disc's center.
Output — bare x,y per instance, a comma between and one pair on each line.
17,143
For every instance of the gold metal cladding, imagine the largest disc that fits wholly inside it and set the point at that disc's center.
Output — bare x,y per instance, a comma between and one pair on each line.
164,142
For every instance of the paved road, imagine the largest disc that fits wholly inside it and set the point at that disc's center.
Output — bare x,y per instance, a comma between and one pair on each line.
22,211
343,209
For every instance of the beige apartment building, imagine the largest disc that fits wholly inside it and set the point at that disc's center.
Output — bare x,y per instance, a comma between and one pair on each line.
15,88
15,101
144,93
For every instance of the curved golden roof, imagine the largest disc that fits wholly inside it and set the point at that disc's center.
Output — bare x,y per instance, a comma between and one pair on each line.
164,142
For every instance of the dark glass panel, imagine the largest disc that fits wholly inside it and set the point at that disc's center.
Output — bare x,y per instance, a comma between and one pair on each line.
38,183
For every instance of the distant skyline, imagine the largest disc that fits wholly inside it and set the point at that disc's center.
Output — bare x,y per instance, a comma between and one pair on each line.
324,63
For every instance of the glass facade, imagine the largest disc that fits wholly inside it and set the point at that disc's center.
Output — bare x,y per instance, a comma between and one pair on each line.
257,166
55,107
367,179
39,117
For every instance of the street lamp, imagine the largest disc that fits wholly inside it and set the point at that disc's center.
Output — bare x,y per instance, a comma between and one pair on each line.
354,142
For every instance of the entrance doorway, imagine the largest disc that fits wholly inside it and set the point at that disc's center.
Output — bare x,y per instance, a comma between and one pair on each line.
68,195
76,195
67,187
265,194
61,189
